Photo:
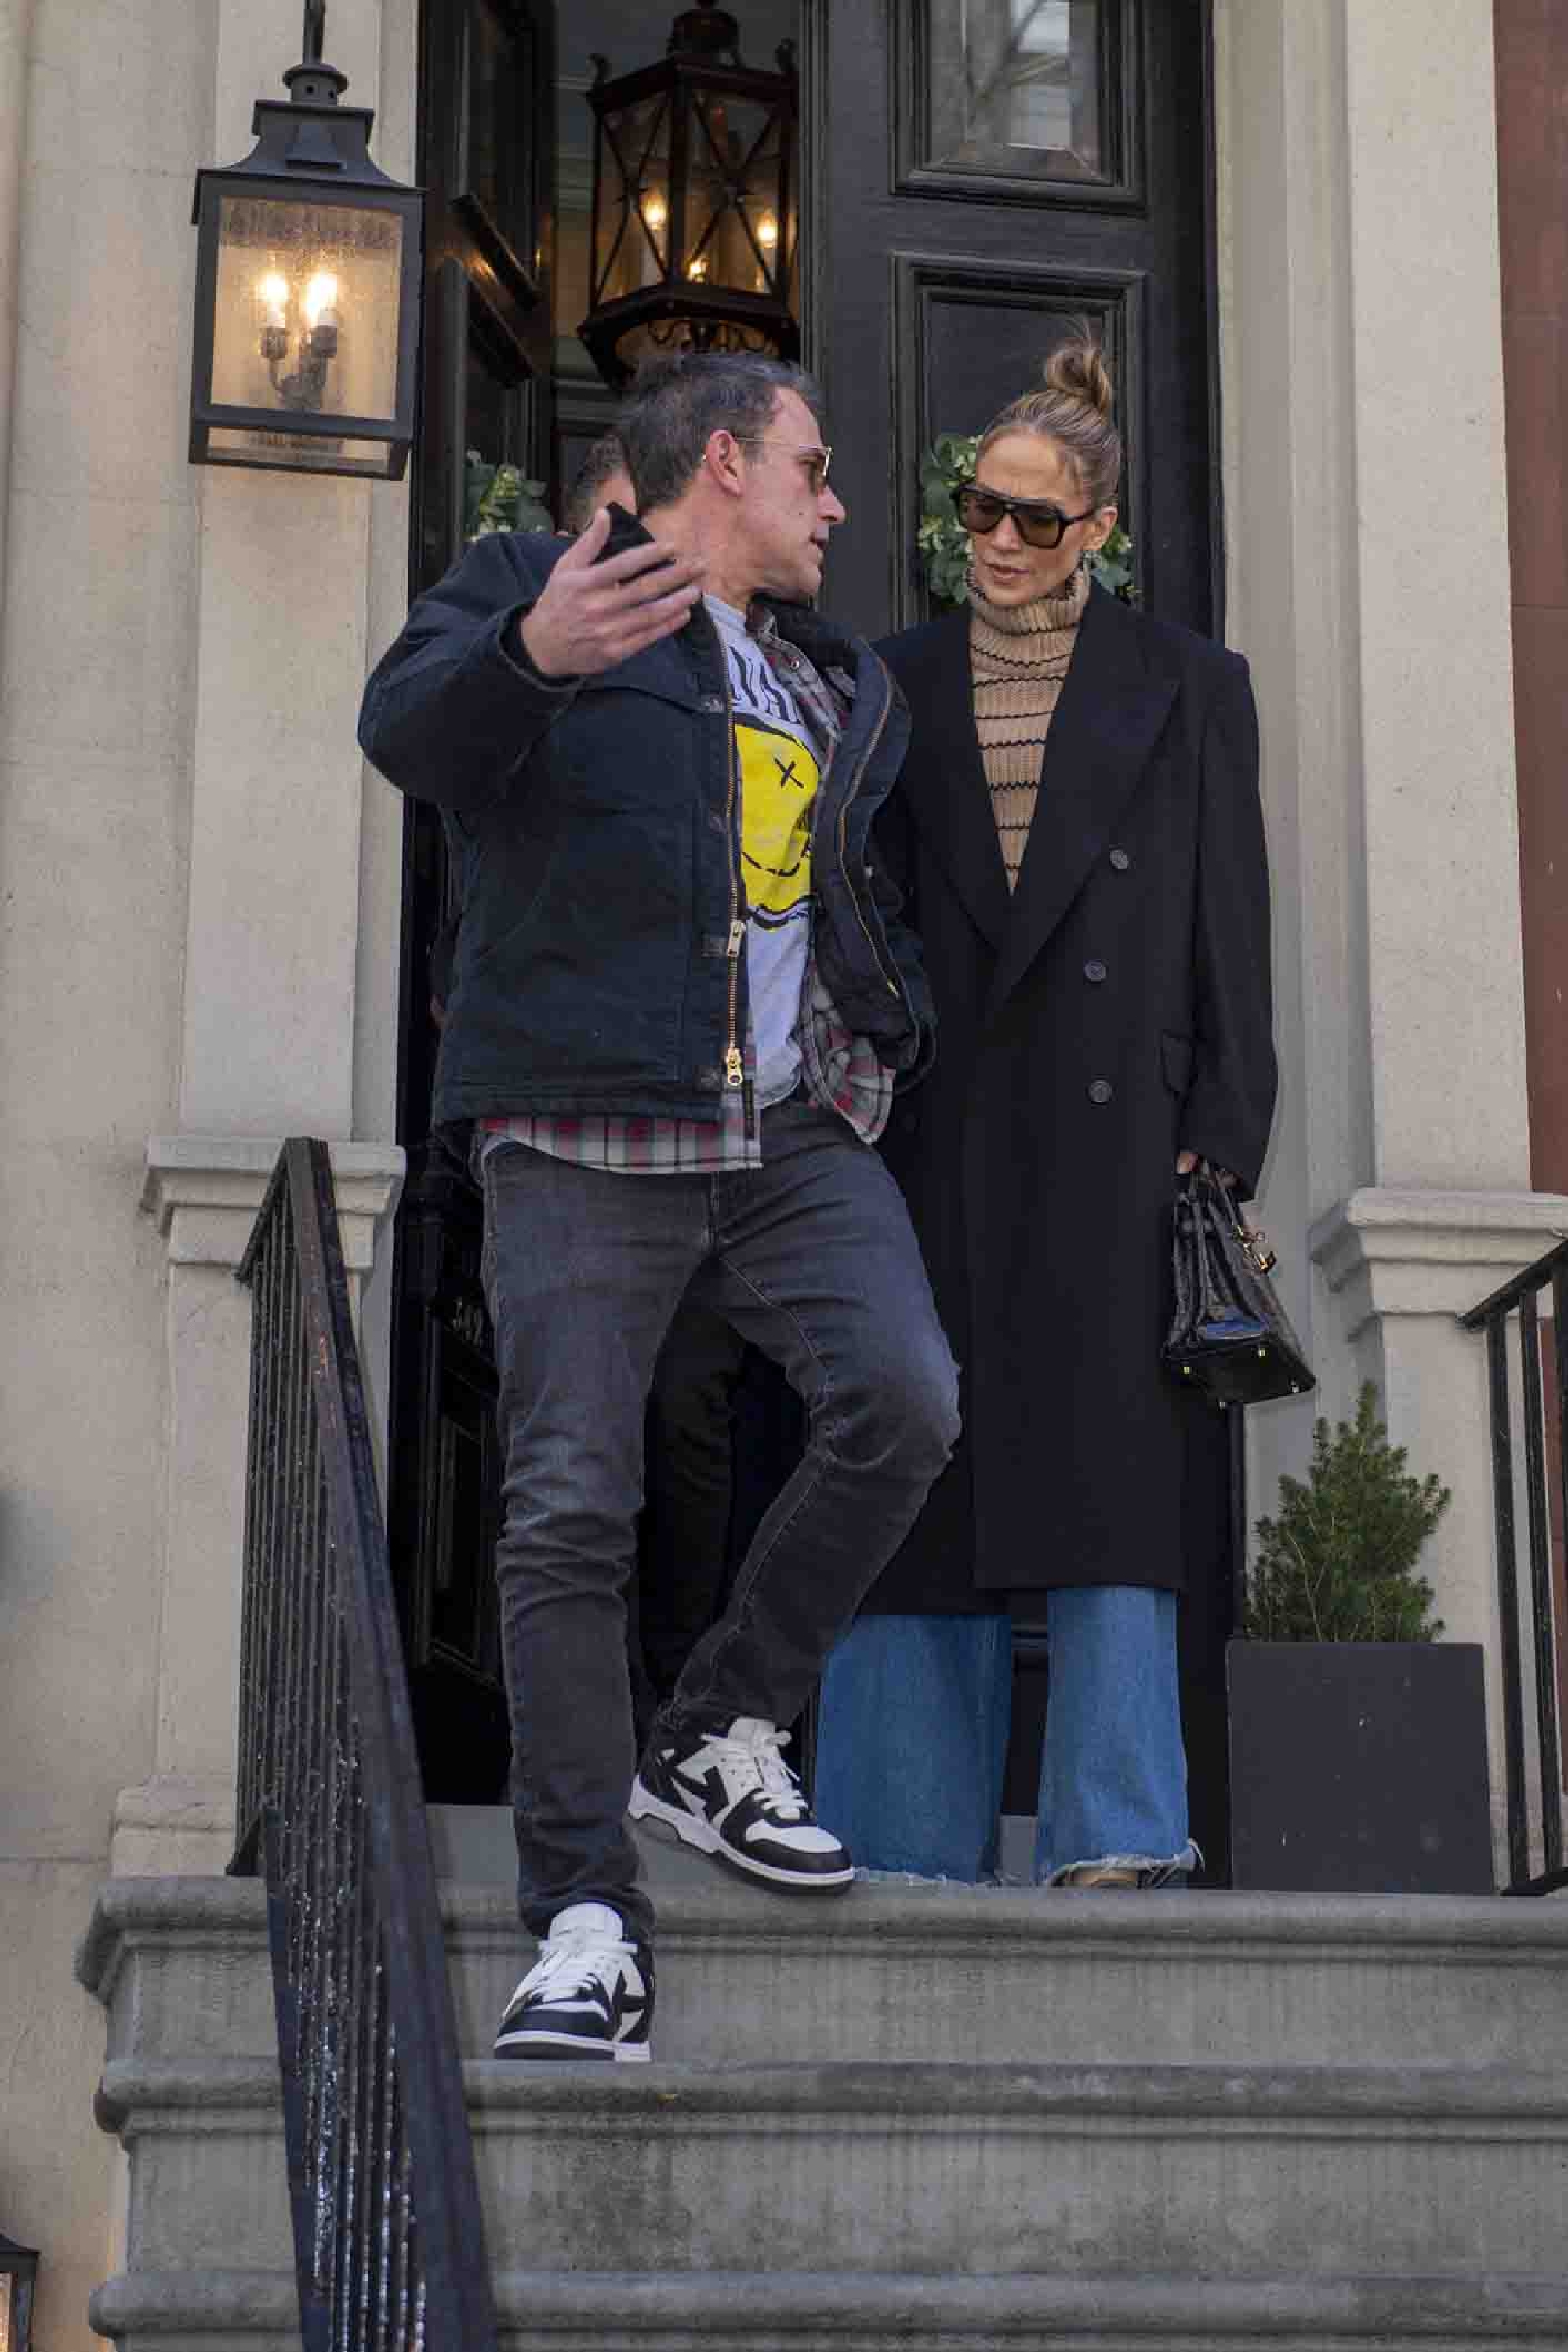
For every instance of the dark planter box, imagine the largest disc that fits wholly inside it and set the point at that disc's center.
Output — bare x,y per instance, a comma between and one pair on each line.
1359,1767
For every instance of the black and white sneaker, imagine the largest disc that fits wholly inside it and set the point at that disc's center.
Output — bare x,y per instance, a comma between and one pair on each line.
588,1995
732,1796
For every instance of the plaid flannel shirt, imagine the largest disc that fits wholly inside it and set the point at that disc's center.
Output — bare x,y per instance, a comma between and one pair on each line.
840,1071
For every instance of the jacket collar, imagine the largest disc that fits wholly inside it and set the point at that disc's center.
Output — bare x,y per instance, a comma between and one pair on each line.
1114,703
1112,706
943,784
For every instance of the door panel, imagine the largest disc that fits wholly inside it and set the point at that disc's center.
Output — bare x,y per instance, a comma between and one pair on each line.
1019,104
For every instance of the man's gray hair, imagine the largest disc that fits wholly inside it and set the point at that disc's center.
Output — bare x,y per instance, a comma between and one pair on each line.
675,404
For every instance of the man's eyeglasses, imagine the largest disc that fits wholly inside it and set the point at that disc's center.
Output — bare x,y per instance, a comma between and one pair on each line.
817,459
1039,524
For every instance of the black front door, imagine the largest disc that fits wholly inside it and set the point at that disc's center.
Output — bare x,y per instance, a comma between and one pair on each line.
978,174
487,95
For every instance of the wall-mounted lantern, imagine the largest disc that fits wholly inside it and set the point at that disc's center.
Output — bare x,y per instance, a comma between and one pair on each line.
18,2272
308,277
694,213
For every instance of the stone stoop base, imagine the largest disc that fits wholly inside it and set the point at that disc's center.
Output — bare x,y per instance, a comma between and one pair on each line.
914,2116
588,2310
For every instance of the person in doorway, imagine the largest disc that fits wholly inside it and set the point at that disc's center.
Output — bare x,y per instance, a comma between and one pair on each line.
1079,833
680,1003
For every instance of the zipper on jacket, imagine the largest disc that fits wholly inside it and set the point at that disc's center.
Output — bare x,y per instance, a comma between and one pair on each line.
734,1060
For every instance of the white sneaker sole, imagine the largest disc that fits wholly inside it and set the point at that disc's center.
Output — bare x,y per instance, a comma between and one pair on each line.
692,1830
571,2045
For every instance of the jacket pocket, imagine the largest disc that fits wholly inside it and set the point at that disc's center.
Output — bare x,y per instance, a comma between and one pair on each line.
1176,1061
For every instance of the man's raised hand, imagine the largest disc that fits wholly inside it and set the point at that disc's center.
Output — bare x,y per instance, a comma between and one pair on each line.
591,615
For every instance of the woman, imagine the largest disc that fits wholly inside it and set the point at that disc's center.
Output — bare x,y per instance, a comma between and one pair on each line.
1079,832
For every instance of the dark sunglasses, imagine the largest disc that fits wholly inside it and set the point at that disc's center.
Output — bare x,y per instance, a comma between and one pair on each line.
1039,525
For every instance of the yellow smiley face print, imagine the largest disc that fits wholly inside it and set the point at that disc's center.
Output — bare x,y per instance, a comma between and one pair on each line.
778,785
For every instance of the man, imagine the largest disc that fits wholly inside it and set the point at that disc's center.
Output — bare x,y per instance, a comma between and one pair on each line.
679,1002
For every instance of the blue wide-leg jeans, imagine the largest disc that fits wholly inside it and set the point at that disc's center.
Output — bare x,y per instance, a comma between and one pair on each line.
915,1716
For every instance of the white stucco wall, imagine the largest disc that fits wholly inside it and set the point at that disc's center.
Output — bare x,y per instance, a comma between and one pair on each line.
184,823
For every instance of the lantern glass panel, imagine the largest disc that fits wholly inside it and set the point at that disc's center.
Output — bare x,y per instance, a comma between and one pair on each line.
306,311
634,199
734,220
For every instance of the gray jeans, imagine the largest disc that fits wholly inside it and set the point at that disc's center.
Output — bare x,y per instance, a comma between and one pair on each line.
810,1256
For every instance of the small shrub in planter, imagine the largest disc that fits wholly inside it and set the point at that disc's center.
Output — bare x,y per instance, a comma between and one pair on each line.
1358,1741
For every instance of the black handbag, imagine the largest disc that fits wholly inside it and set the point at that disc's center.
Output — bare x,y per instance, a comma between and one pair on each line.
1229,1336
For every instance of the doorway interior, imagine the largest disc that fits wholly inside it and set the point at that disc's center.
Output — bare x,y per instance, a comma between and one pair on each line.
973,174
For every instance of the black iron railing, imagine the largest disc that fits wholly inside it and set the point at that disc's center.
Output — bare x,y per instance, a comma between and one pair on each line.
1527,1619
389,2245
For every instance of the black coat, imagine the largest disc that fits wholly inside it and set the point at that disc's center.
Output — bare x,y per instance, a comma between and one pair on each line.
1114,1010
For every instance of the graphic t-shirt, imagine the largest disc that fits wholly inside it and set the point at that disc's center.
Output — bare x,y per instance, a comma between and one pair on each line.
779,778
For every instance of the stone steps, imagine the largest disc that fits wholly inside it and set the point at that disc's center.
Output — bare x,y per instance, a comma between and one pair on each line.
597,2310
939,2117
929,2169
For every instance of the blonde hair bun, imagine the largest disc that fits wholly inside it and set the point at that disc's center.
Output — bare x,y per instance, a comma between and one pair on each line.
1077,370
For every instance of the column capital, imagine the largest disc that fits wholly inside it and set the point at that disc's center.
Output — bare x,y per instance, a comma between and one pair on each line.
203,1192
1403,1251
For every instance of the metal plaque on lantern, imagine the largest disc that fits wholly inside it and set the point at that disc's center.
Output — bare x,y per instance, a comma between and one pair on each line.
694,212
307,274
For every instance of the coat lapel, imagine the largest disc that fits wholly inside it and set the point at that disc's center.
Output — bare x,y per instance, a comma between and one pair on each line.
943,782
1106,724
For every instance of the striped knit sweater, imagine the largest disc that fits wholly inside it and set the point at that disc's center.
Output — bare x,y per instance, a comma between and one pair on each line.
1018,659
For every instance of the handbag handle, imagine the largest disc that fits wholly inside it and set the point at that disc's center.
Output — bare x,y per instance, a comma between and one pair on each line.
1253,1244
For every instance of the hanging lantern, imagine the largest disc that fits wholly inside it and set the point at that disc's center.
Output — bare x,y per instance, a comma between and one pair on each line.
307,275
694,213
18,2273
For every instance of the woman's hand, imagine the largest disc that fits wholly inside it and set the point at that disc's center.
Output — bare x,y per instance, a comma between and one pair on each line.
1188,1161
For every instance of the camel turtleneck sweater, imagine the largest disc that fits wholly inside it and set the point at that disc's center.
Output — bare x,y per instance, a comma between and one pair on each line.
1018,659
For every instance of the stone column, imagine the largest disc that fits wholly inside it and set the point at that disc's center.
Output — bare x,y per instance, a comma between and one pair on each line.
1362,399
203,1193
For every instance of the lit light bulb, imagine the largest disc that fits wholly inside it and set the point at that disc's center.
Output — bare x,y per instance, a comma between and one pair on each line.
320,302
656,212
767,232
698,270
272,293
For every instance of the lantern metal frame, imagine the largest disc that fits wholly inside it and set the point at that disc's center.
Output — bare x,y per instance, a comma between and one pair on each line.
703,58
310,149
20,2264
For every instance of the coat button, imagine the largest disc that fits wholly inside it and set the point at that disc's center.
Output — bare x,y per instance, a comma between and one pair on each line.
1094,968
717,821
711,702
1100,1090
710,1079
1121,860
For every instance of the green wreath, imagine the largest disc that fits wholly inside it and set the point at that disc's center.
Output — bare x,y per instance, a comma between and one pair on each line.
943,542
500,498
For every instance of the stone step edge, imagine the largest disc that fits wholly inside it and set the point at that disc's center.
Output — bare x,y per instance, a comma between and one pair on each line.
657,2098
230,1915
667,2311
